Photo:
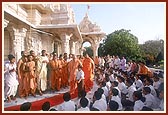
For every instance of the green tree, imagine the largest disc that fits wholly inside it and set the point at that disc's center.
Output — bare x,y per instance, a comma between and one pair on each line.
121,43
154,49
101,50
89,51
160,57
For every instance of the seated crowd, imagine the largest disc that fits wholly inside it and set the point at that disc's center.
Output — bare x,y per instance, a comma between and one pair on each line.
118,90
121,87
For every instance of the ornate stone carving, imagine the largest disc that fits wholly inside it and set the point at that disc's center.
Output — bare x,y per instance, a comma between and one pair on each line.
56,7
29,41
65,43
63,7
17,37
6,23
48,15
87,26
22,32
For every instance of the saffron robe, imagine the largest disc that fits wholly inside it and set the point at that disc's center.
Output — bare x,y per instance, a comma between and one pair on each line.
55,77
88,69
72,69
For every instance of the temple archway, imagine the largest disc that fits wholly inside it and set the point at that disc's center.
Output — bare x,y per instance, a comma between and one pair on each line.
92,33
86,45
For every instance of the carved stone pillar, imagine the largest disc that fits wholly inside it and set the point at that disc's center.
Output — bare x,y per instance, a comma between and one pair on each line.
33,41
17,36
95,48
65,43
77,48
22,39
47,42
14,37
95,51
72,47
59,49
29,41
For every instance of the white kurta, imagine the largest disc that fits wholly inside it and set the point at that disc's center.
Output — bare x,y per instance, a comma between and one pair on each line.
153,92
123,64
151,101
131,90
118,100
138,105
10,80
119,92
106,91
156,84
112,78
122,87
42,71
161,106
100,104
67,106
84,109
108,85
138,83
117,63
80,75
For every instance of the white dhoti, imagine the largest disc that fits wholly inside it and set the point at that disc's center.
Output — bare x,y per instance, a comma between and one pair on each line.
42,76
42,80
10,90
10,80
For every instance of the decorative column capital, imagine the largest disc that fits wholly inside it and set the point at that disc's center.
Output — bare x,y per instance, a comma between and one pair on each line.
66,31
65,37
22,32
6,22
13,31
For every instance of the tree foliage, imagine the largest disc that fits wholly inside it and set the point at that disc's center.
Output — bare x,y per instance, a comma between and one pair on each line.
101,50
89,51
160,57
153,47
153,50
121,43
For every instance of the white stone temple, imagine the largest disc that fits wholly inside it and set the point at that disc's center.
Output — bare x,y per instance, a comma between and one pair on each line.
51,27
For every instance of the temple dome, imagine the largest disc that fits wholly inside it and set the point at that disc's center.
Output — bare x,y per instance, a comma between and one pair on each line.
86,25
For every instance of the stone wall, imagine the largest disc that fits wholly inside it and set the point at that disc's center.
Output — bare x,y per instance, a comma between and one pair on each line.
24,32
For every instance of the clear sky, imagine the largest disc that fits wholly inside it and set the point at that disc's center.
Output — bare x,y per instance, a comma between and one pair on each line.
147,21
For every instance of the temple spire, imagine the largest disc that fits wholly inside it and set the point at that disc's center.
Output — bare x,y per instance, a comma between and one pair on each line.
88,7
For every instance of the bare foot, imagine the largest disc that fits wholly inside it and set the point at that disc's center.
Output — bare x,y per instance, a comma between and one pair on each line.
14,98
40,93
8,101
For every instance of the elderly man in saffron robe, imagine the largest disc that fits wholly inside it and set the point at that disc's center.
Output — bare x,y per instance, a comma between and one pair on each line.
55,77
65,72
144,71
21,73
72,69
29,81
88,68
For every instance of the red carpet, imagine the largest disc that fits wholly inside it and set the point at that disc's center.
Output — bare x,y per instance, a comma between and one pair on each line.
36,105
